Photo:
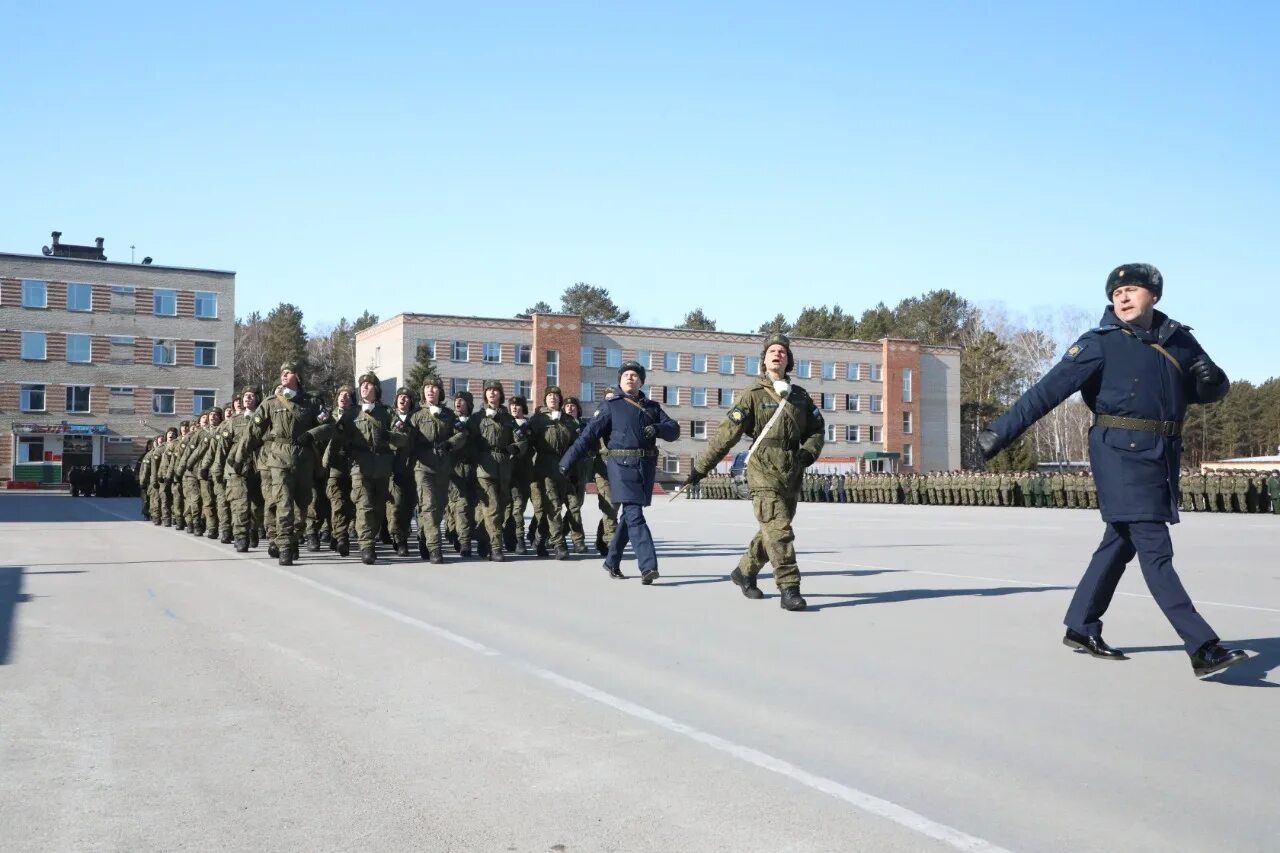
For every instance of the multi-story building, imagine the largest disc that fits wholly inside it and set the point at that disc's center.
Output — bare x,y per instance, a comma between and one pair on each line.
889,405
96,356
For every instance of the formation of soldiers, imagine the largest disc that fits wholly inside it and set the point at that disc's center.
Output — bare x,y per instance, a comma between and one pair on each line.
1213,491
105,481
291,472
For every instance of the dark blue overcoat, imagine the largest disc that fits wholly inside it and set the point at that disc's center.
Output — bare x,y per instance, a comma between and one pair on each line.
621,424
1120,370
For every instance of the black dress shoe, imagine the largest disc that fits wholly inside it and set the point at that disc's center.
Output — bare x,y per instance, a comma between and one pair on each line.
615,572
648,577
1092,646
1212,657
746,584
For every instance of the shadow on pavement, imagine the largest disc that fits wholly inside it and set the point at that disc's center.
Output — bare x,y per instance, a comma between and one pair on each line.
897,595
1264,657
764,576
11,596
44,508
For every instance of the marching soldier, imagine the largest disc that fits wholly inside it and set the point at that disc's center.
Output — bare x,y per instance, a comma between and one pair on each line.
497,443
404,488
462,481
551,434
513,532
435,438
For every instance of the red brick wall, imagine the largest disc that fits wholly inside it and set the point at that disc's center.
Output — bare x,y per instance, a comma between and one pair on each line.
182,402
10,346
100,349
10,297
56,295
101,297
55,348
142,401
144,301
186,303
142,350
6,457
185,354
8,399
98,396
567,341
897,355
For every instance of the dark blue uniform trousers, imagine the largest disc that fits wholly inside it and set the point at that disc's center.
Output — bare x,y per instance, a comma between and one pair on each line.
632,527
1150,541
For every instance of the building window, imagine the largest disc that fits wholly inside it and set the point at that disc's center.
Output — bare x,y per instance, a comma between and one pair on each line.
726,397
829,402
876,403
162,401
804,368
671,464
876,375
425,345
699,362
851,432
78,399
524,354
202,401
613,358
670,395
906,384
645,358
79,297
875,434
206,305
588,392
698,430
35,294
523,388
588,356
376,361
491,352
120,400
671,362
906,423
165,303
698,397
854,369
853,402
33,346
906,454
828,370
121,350
831,432
123,299
31,398
726,365
553,367
206,353
164,352
753,365
456,385
30,450
460,351
79,349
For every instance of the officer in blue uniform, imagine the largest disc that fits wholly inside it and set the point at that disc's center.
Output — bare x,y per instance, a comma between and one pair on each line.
630,425
1137,371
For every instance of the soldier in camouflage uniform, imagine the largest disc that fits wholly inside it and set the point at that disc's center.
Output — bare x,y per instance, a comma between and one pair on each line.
551,434
513,531
238,469
608,522
789,431
335,460
1273,491
435,438
460,515
497,443
578,485
403,487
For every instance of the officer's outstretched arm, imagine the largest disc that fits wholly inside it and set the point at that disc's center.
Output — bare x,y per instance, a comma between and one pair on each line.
668,430
1078,366
597,428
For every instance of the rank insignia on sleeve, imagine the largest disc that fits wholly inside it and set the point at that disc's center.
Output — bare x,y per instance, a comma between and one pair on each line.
1073,351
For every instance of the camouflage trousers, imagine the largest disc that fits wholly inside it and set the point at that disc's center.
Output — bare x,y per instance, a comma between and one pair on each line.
342,512
462,506
774,542
369,494
549,494
288,494
244,502
492,496
608,522
433,492
191,509
513,524
402,497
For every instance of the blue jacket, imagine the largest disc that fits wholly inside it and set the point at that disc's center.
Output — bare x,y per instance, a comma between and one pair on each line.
1119,371
620,422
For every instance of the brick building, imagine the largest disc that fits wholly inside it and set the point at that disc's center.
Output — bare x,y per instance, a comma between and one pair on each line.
96,356
890,404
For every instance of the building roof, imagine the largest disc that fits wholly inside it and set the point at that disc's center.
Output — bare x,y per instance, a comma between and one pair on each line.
58,259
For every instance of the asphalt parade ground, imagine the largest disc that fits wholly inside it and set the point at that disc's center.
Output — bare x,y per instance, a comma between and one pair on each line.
161,692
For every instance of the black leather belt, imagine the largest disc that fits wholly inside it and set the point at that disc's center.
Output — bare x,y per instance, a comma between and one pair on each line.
1172,429
632,452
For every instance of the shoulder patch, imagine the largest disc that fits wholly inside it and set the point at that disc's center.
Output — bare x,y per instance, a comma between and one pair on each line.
1075,349
257,419
735,415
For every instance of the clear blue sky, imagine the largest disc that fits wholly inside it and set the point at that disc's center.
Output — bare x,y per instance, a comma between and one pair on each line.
746,158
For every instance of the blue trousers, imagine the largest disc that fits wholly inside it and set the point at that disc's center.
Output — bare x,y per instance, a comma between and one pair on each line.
632,527
1150,541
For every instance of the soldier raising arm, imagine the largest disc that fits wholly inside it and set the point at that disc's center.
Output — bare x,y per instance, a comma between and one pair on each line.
788,432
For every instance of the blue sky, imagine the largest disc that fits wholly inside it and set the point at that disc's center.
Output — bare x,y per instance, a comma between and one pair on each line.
744,158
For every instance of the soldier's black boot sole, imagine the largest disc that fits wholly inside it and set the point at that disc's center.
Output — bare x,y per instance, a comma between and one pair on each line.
748,587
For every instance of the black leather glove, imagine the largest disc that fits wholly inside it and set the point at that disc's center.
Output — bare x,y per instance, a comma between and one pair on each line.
650,432
805,458
990,443
1206,372
569,475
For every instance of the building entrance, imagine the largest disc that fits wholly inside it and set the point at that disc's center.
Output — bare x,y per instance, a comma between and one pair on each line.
77,450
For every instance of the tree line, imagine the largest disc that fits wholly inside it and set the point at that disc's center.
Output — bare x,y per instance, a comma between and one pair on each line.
1002,356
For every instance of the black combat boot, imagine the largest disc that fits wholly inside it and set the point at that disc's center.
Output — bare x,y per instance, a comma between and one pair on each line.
344,545
286,557
385,536
293,551
791,599
464,551
227,537
368,556
540,548
497,556
313,542
331,542
242,545
602,547
273,550
746,584
161,522
402,548
435,556
180,526
422,547
508,540
562,552
212,534
253,537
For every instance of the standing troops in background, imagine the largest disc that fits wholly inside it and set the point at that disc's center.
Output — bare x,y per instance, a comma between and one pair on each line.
281,428
788,430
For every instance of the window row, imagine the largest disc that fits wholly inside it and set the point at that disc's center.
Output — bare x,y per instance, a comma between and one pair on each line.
79,350
488,352
121,400
164,302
